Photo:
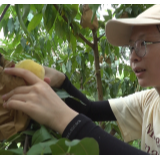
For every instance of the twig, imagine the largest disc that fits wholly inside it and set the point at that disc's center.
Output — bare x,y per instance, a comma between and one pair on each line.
113,131
3,13
26,143
79,35
100,37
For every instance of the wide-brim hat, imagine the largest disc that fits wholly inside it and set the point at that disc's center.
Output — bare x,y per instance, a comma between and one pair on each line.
118,31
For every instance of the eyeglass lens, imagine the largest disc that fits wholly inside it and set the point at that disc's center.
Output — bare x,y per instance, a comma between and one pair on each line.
139,47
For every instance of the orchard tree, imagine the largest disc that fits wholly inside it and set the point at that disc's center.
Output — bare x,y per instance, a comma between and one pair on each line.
70,38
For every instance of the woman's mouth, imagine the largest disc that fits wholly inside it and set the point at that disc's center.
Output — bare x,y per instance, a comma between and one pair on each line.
139,72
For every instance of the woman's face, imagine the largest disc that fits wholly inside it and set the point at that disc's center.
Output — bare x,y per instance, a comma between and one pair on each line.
147,68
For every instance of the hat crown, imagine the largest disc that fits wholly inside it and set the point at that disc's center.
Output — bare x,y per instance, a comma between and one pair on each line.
153,13
118,31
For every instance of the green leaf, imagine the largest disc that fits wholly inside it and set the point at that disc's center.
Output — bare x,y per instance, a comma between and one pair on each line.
2,51
17,24
41,135
120,69
59,148
129,10
61,29
18,49
63,68
5,30
63,94
78,59
39,7
17,8
103,46
41,148
69,66
136,10
72,143
73,43
33,8
74,10
114,89
132,76
49,15
35,22
10,25
108,127
2,24
2,7
26,9
109,12
106,18
16,40
17,151
119,13
101,70
86,146
23,42
94,8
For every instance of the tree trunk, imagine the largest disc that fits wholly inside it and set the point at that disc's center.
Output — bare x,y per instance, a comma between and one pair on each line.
97,67
98,74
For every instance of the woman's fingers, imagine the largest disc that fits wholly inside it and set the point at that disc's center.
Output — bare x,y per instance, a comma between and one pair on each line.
28,76
47,80
18,97
17,105
18,90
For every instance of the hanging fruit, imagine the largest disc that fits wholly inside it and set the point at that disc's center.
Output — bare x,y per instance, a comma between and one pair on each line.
86,18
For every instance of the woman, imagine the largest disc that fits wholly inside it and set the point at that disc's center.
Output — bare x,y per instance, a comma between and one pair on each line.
138,115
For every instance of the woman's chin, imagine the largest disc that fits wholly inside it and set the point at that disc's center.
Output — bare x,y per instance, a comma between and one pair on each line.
143,84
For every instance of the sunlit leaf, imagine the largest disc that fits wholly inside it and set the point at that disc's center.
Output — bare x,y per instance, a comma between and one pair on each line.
35,22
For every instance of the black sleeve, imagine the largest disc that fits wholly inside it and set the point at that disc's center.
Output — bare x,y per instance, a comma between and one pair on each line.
81,127
97,111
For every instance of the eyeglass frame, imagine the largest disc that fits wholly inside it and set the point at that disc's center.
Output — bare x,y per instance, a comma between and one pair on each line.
146,43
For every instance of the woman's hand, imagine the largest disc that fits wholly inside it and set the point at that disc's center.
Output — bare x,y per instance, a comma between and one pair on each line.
38,101
55,76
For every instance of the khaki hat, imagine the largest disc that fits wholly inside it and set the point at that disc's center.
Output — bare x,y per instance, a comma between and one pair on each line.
118,31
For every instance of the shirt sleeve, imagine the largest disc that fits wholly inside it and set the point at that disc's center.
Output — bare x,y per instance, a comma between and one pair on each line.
129,114
97,111
81,127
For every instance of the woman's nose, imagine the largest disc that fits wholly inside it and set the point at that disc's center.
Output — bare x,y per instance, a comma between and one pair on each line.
134,57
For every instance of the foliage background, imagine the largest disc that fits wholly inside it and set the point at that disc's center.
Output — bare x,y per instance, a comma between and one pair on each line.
52,35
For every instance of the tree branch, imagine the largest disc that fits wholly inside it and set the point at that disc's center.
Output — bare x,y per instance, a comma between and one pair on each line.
26,143
100,37
79,35
5,10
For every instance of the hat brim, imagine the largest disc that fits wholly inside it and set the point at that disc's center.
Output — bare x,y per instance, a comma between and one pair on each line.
118,31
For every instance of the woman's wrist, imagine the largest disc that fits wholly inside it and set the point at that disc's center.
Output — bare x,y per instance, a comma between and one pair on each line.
61,119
